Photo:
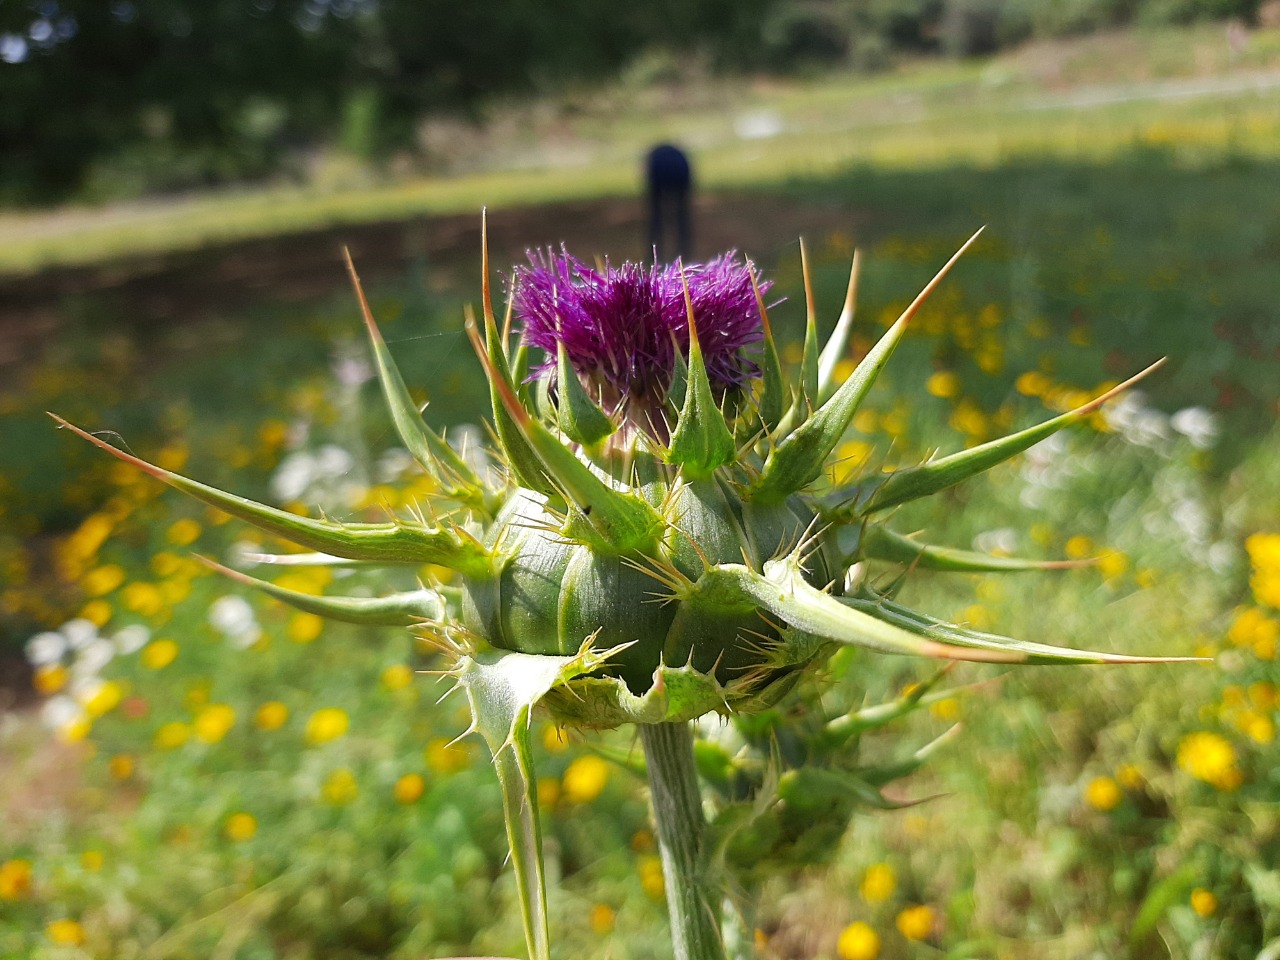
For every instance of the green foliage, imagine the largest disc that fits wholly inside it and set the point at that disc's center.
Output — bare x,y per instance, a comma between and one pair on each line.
373,877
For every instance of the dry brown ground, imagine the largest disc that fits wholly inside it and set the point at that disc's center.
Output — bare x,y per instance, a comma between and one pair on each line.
303,266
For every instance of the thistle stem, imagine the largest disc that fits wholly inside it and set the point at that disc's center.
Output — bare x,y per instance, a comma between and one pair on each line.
693,899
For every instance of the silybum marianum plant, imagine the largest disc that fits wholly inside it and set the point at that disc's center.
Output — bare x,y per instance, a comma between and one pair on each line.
659,539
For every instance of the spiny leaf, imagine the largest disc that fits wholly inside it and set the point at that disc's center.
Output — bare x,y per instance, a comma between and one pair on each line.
799,459
395,610
303,560
679,388
395,542
427,447
773,397
879,543
814,787
932,628
702,440
521,460
838,342
620,521
580,419
503,688
884,773
928,478
783,593
809,357
869,718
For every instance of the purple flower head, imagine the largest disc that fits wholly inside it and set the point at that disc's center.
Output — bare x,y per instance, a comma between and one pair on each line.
622,326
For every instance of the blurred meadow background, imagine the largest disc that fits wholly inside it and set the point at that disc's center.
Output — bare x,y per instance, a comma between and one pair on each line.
191,771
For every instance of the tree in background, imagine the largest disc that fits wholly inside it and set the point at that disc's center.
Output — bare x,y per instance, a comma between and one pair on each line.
127,96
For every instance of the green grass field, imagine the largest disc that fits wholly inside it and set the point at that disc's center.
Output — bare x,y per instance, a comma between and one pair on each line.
1089,100
250,786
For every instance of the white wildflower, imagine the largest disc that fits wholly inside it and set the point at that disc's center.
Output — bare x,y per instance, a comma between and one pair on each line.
131,639
46,648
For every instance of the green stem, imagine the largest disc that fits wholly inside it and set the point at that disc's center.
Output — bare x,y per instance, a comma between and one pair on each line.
693,899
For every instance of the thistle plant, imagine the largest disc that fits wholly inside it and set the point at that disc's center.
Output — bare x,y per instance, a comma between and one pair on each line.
659,538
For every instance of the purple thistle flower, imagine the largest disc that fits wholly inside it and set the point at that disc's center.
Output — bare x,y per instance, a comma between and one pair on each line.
622,327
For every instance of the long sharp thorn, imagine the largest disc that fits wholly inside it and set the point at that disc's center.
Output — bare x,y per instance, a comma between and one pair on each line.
832,353
809,364
799,460
934,475
397,610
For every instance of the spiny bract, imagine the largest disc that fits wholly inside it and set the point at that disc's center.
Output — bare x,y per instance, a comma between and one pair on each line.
660,539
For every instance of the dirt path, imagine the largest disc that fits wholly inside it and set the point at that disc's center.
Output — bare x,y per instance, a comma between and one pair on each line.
307,266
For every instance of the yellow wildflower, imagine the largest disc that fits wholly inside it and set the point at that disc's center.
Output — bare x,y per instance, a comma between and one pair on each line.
328,723
121,766
878,883
944,384
304,627
143,598
585,779
990,358
175,590
1204,902
240,827
1130,777
1113,565
1258,726
102,580
397,676
1079,547
165,564
272,434
15,879
183,532
1103,794
851,459
602,919
92,860
340,787
1264,554
1209,757
312,581
64,932
650,869
968,418
159,654
444,756
97,612
858,942
172,735
75,730
548,791
1253,628
214,722
916,923
1033,383
1263,695
50,679
410,788
947,709
271,715
554,739
101,698
89,536
172,457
